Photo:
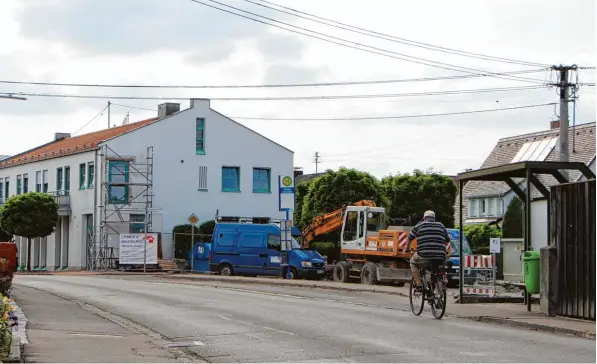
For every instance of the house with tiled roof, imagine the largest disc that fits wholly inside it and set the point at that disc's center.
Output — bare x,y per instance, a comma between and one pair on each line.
144,177
485,201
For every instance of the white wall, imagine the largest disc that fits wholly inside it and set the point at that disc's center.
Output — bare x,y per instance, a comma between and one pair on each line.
81,202
176,167
539,233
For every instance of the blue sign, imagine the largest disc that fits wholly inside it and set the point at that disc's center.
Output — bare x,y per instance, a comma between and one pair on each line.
286,193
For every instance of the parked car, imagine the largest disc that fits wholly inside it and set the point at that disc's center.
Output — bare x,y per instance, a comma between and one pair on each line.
255,250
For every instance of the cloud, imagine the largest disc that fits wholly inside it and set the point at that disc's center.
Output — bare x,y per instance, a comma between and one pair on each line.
281,47
287,73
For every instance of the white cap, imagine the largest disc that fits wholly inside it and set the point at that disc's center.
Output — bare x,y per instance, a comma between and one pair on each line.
429,213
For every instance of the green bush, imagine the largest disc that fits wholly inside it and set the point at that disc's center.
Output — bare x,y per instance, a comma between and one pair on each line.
327,248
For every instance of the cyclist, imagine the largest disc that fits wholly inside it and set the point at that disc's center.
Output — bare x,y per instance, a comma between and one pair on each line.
432,239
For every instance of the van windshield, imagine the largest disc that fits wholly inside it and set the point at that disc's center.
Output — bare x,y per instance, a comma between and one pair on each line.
295,244
455,244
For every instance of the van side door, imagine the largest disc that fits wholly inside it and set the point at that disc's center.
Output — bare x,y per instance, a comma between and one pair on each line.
252,253
274,258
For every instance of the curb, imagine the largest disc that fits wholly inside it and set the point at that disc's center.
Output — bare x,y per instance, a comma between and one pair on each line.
19,336
281,283
530,326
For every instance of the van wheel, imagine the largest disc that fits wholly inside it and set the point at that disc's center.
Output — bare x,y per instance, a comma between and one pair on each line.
341,272
369,274
226,270
293,273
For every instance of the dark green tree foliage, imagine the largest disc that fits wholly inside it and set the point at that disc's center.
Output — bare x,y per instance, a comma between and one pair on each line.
182,235
337,188
411,195
478,236
4,236
513,219
31,215
300,193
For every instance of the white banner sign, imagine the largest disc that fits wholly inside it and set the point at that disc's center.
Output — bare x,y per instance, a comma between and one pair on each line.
132,248
494,245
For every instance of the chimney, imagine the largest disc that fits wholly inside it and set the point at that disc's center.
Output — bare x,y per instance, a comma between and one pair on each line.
60,136
204,103
298,171
555,124
167,109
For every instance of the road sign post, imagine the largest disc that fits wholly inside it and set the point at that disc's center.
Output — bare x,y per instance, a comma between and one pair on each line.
286,191
193,220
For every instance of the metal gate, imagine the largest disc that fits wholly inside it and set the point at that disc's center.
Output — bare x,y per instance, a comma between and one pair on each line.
573,232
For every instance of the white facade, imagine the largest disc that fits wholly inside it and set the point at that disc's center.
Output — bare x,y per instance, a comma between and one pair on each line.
186,180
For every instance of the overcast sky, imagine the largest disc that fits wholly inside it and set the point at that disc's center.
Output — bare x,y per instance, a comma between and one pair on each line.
182,42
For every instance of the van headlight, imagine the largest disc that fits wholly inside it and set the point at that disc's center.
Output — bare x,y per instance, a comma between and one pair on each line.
306,264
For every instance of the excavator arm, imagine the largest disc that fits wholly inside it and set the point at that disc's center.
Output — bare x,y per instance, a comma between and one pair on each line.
332,221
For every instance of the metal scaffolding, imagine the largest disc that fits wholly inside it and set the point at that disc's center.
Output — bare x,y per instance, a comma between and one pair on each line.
138,185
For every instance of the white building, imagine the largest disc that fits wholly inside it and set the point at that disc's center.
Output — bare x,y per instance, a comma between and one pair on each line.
155,172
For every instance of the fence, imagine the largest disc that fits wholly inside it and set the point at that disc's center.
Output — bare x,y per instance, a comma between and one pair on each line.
572,228
481,279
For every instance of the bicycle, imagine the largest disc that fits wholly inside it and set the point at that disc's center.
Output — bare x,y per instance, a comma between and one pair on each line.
433,277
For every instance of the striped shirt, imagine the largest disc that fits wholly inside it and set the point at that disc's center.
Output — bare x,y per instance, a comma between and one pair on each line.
431,237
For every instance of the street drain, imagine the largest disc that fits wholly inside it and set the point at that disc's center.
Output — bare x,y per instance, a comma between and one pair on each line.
184,344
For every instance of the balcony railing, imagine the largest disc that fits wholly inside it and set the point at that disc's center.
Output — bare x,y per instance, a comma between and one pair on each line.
62,198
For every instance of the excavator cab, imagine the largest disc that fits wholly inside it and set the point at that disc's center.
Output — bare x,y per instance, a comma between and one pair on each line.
360,222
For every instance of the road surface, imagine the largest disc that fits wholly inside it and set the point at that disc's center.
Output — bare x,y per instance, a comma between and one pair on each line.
282,324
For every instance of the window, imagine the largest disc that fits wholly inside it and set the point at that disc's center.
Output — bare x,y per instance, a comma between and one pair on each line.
25,183
472,208
82,176
44,176
350,228
274,242
261,180
483,207
118,178
19,184
90,174
252,240
230,179
200,136
491,207
1,189
203,178
137,228
59,179
67,179
38,181
535,150
6,188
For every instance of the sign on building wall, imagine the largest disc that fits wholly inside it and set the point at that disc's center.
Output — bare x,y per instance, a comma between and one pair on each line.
286,193
132,247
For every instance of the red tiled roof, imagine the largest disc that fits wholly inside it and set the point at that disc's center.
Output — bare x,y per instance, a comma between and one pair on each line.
69,146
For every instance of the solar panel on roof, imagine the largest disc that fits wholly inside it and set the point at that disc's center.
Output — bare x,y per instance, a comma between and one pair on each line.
536,150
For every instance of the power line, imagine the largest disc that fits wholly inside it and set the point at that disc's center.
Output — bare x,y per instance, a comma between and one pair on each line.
322,84
289,98
393,117
388,37
395,55
92,119
134,107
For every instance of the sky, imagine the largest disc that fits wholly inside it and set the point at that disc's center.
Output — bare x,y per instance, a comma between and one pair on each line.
181,42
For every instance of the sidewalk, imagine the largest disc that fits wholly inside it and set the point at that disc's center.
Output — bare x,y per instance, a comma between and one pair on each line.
60,331
501,313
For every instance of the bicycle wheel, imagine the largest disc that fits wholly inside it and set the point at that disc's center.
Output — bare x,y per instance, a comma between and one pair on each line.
438,305
417,299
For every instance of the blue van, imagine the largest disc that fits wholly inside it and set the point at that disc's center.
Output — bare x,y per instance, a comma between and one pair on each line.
454,261
254,250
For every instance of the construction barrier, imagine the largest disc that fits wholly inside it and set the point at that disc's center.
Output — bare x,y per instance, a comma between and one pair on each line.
481,280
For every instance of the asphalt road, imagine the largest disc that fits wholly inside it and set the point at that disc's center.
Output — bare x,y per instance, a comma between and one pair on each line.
258,324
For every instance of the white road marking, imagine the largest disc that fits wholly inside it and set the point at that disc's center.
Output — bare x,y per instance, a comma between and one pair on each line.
96,335
252,324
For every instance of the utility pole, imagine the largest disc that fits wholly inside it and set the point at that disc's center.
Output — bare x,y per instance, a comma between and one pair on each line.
317,158
109,103
564,86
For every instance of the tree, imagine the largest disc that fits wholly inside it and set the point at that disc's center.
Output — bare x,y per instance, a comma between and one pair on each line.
337,188
410,195
4,236
31,215
182,236
513,219
478,236
300,193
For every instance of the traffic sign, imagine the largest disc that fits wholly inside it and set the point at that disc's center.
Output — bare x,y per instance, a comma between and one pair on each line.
494,245
193,219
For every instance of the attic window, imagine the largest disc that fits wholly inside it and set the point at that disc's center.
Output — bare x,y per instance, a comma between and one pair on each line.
536,150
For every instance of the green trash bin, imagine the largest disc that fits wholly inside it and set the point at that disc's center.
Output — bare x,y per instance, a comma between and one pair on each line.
532,270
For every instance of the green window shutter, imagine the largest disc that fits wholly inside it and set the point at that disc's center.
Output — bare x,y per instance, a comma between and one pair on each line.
82,176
